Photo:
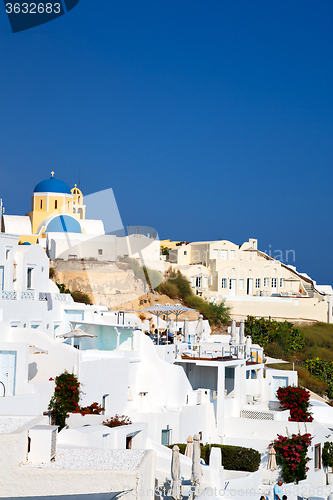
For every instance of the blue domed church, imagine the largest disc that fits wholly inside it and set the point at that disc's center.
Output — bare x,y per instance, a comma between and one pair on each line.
55,208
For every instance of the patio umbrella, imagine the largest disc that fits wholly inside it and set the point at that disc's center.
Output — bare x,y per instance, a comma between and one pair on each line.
233,337
189,447
241,332
196,466
272,459
166,310
199,329
76,334
36,350
186,332
175,474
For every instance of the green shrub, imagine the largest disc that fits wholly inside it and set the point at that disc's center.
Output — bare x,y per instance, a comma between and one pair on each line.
233,457
81,297
169,289
267,331
327,454
62,288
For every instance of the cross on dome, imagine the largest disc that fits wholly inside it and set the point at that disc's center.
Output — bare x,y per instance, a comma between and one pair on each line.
52,173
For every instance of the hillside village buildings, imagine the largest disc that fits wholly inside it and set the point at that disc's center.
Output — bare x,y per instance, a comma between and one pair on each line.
214,386
251,282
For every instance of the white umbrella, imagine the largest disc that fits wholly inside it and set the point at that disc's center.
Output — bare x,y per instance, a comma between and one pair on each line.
199,329
196,466
175,474
76,334
189,447
36,350
272,459
241,332
233,337
186,332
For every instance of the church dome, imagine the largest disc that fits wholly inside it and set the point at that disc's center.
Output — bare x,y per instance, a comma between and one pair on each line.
63,224
52,185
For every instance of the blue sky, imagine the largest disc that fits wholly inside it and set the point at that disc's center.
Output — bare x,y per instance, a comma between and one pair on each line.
209,119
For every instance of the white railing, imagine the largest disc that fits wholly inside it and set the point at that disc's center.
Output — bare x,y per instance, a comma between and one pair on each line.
61,296
257,415
9,295
28,295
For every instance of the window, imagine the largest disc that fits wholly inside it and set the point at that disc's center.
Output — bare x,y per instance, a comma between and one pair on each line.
317,456
100,251
205,282
257,282
185,252
210,280
224,283
198,281
41,203
56,204
274,282
215,253
240,284
266,281
7,253
281,282
192,280
166,436
224,254
29,278
232,254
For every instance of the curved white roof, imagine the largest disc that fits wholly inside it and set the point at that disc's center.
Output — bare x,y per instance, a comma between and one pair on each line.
17,224
91,226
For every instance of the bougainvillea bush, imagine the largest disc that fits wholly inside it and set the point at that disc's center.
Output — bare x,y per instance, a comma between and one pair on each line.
291,454
296,400
66,399
93,409
117,421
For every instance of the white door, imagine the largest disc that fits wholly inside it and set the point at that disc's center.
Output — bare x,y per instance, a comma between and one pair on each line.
274,285
279,382
249,286
7,372
232,287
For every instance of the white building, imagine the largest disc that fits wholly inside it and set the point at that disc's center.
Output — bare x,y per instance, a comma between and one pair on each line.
251,282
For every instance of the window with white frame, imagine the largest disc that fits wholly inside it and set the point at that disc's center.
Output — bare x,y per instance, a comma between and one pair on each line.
224,283
205,282
281,282
274,282
240,284
224,254
192,280
198,281
266,281
210,280
215,253
100,251
257,282
232,254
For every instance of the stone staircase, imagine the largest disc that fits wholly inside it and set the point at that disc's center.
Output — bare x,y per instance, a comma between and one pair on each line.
309,289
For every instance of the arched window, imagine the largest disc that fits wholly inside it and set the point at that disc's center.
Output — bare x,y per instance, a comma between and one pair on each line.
41,204
56,204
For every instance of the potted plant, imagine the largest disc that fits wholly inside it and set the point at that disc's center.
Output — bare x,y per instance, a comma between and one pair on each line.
327,460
